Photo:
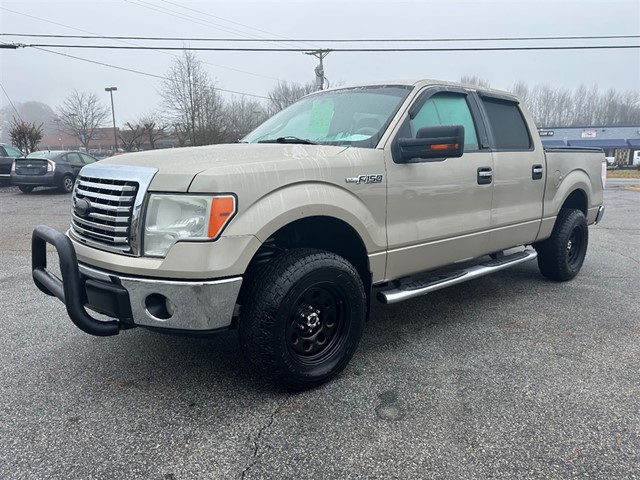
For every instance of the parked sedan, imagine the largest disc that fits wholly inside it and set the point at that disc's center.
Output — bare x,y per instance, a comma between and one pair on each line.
7,155
49,169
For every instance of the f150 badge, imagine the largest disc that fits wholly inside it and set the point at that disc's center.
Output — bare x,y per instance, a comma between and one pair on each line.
377,178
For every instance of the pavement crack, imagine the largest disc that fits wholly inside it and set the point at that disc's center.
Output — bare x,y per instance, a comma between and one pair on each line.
630,258
256,439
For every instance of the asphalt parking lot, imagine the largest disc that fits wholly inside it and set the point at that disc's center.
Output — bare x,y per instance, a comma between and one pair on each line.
509,376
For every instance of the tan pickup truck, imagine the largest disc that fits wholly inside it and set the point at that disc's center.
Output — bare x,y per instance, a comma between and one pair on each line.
386,191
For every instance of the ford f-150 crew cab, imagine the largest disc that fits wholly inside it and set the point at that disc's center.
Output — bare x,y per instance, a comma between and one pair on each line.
385,191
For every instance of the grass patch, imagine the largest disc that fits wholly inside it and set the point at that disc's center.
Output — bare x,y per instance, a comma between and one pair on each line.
623,174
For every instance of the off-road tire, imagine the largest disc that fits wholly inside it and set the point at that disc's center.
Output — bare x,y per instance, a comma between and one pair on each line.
26,188
302,318
561,256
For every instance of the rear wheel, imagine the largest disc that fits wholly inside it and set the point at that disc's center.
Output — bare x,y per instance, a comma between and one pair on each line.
302,318
67,184
561,256
26,188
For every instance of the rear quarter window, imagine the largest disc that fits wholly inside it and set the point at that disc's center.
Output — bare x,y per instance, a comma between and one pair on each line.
507,124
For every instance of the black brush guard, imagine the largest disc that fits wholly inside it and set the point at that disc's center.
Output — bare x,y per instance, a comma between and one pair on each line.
72,289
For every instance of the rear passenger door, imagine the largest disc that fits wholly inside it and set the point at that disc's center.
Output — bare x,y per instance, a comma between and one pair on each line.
518,173
75,162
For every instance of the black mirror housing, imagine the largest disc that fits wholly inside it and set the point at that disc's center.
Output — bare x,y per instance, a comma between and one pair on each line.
440,141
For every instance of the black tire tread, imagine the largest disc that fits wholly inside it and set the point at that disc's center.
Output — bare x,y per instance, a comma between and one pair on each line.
267,287
552,252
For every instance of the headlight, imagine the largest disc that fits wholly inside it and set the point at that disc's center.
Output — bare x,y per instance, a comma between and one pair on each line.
171,218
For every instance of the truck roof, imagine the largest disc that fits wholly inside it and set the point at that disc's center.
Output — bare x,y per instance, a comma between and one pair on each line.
426,82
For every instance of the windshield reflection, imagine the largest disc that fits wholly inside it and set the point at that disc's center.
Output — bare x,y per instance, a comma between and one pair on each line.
350,116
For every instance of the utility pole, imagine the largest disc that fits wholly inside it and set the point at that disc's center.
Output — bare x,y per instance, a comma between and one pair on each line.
113,114
320,78
76,131
57,120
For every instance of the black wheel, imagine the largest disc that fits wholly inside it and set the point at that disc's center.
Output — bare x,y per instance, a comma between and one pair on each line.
302,318
67,184
26,188
560,257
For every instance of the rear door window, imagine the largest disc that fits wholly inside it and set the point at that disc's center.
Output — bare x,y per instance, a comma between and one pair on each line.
74,158
87,158
507,124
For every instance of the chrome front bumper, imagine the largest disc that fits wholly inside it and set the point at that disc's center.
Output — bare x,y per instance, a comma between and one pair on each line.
175,304
196,306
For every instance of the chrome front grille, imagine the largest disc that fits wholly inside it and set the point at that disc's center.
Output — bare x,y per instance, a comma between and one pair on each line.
103,212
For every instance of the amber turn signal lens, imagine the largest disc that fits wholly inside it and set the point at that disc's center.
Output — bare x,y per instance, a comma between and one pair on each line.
222,209
444,146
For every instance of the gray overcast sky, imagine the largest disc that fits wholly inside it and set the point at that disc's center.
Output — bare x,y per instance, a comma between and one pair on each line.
29,74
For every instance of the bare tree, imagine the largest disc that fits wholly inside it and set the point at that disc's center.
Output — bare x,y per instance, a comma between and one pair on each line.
191,100
181,134
30,112
475,80
81,115
154,130
25,135
133,137
583,106
285,93
210,124
242,116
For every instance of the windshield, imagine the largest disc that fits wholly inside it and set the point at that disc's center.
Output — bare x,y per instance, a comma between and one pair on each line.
12,152
350,116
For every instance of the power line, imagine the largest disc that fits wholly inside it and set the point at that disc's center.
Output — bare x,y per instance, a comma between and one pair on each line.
326,40
12,46
139,72
227,20
187,17
12,105
182,16
351,50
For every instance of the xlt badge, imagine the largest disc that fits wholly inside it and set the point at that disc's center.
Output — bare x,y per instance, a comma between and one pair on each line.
377,178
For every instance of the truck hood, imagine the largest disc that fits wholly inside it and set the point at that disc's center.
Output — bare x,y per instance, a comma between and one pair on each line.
177,167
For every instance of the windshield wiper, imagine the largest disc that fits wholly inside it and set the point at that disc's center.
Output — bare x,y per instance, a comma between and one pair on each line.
288,139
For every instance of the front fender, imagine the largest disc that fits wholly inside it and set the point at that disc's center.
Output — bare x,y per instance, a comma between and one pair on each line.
302,200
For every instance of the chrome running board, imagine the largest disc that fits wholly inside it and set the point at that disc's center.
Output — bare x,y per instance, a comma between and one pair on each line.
412,288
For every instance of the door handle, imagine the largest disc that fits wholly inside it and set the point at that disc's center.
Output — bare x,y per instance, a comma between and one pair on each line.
485,175
536,172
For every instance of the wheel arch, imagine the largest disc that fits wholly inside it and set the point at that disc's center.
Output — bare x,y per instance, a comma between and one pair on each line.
321,232
577,200
574,192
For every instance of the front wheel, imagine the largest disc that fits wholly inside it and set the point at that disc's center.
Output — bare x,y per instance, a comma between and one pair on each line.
561,256
26,188
302,318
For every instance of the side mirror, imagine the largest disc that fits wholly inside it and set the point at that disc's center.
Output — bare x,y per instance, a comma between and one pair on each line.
441,141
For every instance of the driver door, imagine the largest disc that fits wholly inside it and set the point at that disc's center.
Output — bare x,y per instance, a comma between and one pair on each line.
438,210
